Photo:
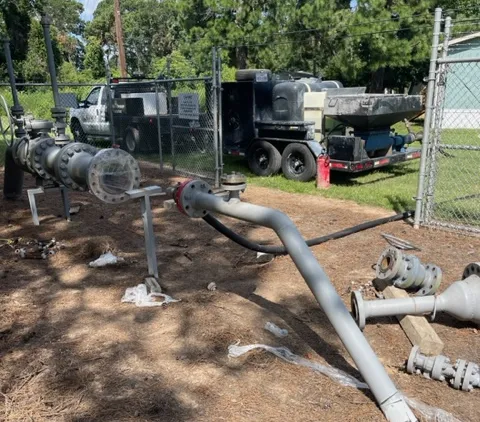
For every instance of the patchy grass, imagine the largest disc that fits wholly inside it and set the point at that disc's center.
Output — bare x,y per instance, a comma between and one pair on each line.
391,187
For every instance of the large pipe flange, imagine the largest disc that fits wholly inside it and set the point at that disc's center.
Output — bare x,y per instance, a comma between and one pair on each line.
183,197
111,173
412,358
431,283
358,309
43,147
407,272
71,175
471,269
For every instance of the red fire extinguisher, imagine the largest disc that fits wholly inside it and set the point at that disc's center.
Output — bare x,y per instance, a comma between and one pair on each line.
323,171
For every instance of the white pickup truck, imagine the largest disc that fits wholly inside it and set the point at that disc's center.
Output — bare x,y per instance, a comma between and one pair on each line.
91,121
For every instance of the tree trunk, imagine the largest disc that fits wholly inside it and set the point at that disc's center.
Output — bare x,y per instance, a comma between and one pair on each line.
241,57
377,79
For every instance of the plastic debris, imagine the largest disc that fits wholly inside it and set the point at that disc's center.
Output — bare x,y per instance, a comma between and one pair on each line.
284,353
105,259
141,298
276,330
428,413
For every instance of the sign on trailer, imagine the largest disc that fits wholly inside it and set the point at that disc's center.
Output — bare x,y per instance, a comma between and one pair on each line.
188,107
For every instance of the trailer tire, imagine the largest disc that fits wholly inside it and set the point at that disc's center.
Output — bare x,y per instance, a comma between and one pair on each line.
264,159
131,140
298,163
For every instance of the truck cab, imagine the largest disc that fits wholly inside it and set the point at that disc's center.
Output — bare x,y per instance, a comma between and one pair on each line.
90,118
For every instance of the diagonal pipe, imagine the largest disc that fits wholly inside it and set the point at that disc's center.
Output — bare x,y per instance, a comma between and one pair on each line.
195,199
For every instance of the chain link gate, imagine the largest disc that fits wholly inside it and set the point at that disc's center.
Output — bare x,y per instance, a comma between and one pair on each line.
171,123
451,195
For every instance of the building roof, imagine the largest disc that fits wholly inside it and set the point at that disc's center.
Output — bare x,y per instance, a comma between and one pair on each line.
468,37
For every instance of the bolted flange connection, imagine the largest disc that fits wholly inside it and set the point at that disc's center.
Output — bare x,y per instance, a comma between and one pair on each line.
473,268
407,272
184,195
234,183
461,375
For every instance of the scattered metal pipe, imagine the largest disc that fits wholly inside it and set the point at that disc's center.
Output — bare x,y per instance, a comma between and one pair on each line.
195,199
459,300
407,272
461,375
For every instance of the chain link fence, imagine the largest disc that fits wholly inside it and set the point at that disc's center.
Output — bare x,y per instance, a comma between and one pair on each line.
171,123
168,124
452,173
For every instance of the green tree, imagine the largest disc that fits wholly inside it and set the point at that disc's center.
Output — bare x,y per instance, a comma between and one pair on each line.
35,68
94,58
150,30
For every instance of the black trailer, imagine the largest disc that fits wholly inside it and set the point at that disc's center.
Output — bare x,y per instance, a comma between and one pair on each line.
264,119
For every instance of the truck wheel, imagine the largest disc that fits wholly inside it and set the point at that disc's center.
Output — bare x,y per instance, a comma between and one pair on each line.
77,131
263,158
298,163
131,140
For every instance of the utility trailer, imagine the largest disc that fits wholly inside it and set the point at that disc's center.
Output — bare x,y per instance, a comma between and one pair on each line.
285,122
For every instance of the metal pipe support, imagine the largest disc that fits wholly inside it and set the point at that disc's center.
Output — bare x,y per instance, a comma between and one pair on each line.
195,199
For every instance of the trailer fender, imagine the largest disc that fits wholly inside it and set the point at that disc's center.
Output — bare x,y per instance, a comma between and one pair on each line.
316,148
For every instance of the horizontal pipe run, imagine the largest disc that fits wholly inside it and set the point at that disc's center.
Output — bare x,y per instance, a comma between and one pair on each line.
403,306
372,370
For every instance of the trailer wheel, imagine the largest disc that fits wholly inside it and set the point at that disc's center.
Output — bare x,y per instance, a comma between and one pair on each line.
298,163
131,140
264,159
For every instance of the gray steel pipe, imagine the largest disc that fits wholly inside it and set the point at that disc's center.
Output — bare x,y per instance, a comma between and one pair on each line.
195,199
459,300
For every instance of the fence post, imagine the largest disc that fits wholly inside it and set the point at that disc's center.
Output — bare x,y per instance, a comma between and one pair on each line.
439,98
215,114
428,117
170,111
110,111
220,111
159,129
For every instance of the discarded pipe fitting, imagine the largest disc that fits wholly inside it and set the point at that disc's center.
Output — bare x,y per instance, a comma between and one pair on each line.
194,198
407,272
473,268
460,300
461,375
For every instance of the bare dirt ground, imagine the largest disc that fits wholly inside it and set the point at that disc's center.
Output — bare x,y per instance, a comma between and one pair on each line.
71,351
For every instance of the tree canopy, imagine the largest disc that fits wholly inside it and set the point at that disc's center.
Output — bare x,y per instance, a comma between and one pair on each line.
380,43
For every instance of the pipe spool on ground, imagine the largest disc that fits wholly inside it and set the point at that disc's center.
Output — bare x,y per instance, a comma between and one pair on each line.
107,173
406,271
460,300
461,375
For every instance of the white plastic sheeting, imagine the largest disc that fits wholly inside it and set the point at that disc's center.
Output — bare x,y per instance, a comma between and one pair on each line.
428,413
